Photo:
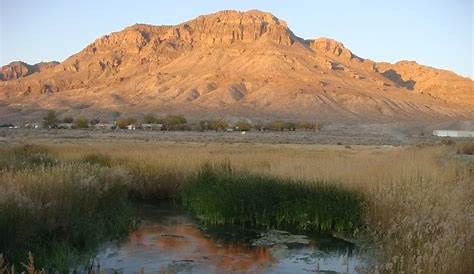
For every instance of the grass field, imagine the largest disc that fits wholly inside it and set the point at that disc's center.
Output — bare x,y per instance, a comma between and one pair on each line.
417,200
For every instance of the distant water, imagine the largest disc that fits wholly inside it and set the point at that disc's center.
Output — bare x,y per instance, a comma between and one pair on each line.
170,241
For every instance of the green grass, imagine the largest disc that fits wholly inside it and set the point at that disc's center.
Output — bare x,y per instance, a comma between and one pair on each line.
221,196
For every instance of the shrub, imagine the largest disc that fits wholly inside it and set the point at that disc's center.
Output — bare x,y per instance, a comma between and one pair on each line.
216,125
150,119
94,121
277,125
290,126
80,123
68,119
309,126
204,125
243,126
51,119
174,122
123,123
466,148
447,142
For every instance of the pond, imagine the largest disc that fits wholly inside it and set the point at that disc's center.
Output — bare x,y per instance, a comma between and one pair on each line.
169,240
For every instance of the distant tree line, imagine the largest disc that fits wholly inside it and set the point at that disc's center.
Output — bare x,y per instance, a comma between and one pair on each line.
179,122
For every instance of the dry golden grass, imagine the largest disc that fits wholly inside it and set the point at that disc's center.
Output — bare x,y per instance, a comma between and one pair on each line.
419,198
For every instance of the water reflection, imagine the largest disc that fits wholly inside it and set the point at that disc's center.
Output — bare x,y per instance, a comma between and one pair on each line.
170,241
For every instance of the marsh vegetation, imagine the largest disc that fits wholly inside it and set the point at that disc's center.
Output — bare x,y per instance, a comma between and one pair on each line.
413,203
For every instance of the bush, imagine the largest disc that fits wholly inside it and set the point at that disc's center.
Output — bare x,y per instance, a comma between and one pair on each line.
447,142
309,126
174,122
51,119
123,123
217,125
150,119
277,125
80,123
94,121
243,126
466,148
290,126
68,119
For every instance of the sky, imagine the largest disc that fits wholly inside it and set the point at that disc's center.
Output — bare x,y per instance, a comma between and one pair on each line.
437,33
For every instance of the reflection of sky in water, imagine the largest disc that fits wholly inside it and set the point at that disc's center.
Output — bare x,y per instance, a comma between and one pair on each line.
172,243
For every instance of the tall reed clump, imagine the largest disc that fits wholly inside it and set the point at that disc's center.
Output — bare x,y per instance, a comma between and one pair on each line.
60,211
221,196
26,156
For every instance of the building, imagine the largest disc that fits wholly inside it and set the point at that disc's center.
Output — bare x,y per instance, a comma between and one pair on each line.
105,126
65,125
152,126
32,125
453,133
132,127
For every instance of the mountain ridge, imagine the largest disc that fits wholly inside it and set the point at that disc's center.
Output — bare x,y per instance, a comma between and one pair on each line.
237,64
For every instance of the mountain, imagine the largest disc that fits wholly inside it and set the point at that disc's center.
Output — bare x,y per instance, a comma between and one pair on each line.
233,64
19,69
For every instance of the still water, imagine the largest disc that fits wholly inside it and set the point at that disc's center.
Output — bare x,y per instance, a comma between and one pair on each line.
169,240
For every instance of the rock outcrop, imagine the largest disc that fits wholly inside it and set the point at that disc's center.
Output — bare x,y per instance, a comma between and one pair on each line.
19,69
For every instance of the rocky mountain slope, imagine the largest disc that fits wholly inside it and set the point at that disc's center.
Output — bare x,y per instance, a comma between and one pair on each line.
232,64
19,69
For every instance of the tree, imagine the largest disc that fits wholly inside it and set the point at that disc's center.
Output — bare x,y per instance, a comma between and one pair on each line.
243,126
51,119
310,126
290,126
218,125
277,125
174,122
204,125
115,115
123,123
80,123
94,121
68,119
150,119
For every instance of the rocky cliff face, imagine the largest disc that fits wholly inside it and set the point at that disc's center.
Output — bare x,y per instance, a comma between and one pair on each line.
19,69
233,64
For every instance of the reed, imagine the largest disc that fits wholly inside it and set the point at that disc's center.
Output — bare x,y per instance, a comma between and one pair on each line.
58,212
222,196
418,200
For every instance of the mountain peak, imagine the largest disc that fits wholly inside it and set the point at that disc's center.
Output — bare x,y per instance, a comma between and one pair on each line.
330,46
19,69
229,26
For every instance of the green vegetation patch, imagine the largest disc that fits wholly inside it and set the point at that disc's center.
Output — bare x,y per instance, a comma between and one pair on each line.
221,196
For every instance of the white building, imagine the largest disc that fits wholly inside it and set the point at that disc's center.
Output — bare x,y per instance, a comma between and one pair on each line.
104,126
453,133
152,126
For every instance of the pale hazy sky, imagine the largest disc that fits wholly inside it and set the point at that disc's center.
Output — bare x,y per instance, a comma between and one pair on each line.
438,33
